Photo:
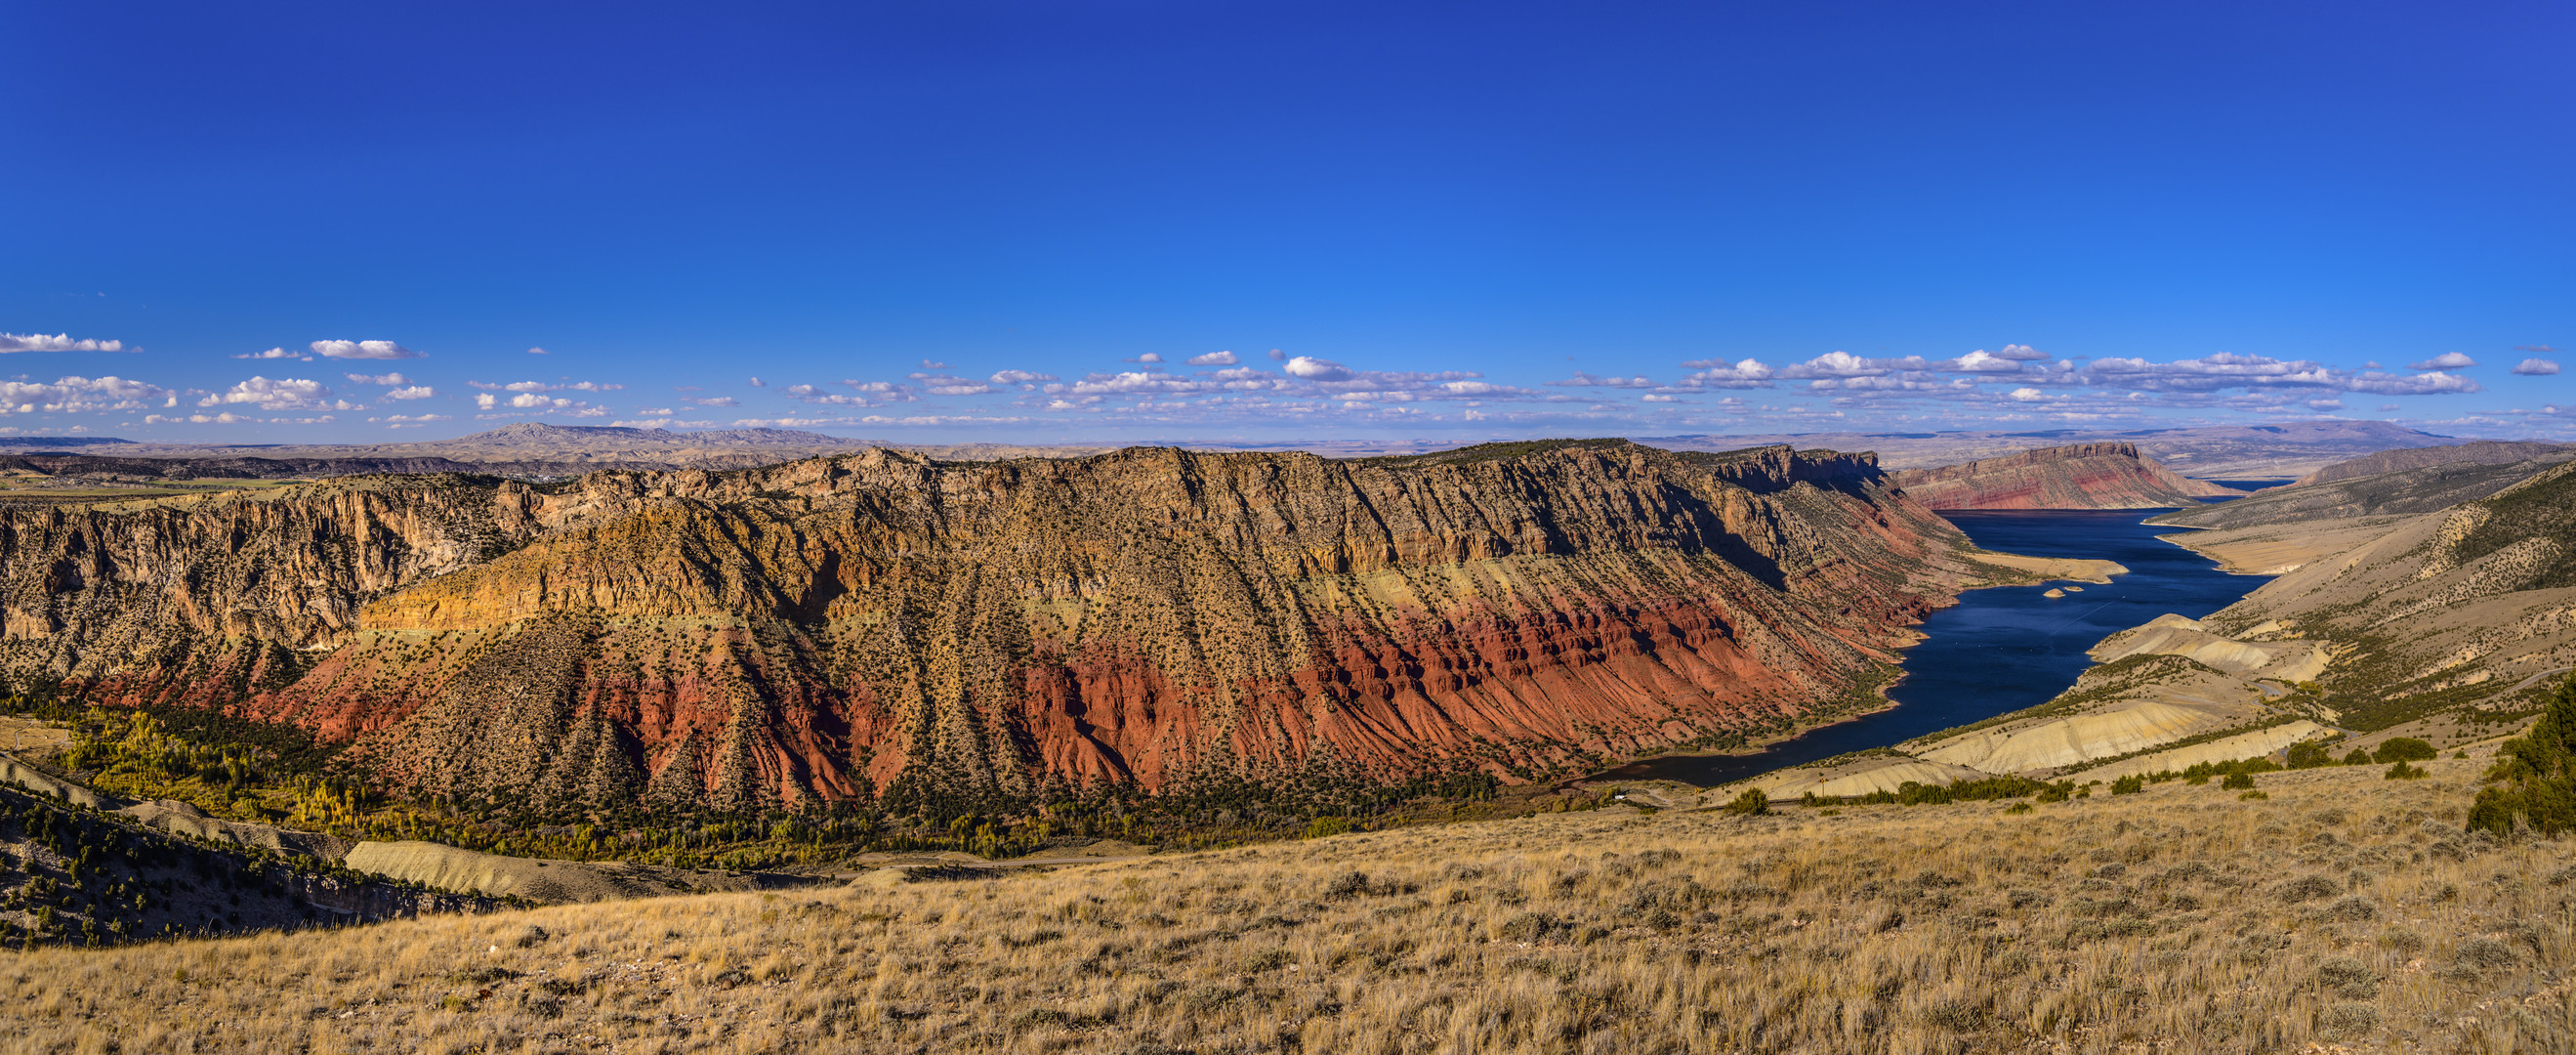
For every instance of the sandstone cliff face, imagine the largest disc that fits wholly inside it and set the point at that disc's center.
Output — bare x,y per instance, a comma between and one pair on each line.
2077,476
1152,615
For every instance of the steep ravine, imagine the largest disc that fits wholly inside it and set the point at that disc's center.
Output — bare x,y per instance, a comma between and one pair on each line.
832,626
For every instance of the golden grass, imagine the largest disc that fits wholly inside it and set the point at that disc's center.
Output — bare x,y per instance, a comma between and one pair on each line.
2179,920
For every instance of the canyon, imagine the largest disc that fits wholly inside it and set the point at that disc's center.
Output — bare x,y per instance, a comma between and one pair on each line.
880,623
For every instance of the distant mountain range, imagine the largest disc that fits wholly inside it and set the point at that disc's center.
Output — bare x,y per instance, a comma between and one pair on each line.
2220,452
2212,452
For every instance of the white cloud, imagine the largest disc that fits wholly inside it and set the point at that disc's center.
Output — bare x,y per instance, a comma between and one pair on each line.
928,364
2390,408
362,350
225,418
758,383
2418,385
714,401
1025,377
81,395
1278,356
945,385
1983,362
536,351
2444,361
2535,367
412,392
1313,369
275,353
1745,373
409,421
2325,404
1653,398
395,378
284,393
1584,380
1149,357
2028,394
60,342
1214,359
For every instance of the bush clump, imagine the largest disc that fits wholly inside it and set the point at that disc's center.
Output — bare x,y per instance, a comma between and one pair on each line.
2404,749
2534,778
2236,781
1753,803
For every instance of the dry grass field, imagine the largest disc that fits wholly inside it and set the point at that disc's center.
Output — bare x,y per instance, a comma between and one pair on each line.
2346,912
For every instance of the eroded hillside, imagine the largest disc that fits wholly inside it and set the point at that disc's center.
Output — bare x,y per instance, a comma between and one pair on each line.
833,626
2078,476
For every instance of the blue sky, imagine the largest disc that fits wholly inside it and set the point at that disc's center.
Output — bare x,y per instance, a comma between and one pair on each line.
958,220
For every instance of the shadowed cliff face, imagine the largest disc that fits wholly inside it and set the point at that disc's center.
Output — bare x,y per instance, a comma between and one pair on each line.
1151,615
2076,476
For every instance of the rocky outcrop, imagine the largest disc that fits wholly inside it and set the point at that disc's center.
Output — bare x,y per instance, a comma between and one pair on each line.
881,622
2078,476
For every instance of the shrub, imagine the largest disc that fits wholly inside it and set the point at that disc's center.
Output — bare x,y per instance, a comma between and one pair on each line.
1753,803
2485,953
2358,757
2236,781
2308,888
2402,771
2534,774
1322,827
2128,785
2404,749
2348,1020
2309,755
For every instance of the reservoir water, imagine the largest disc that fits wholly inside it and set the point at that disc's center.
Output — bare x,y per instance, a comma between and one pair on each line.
2002,649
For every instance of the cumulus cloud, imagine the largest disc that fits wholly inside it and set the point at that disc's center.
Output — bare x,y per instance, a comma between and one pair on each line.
946,385
536,351
714,401
362,350
225,418
2325,404
412,392
1584,380
2027,394
540,404
1149,357
863,394
275,353
284,393
1743,373
2434,383
928,364
1313,369
2535,367
1982,361
1277,356
395,378
1026,377
758,383
542,386
409,421
60,342
2444,361
1214,359
81,395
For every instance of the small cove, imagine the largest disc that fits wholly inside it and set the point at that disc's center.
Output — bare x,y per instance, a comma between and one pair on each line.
2005,648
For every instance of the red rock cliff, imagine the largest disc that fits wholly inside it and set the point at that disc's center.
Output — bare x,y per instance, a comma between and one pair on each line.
1151,615
2077,476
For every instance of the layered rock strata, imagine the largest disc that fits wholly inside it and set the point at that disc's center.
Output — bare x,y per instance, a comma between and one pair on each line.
824,628
2077,476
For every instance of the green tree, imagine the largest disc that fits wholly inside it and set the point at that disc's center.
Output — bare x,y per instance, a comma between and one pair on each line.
2404,749
2535,774
1753,803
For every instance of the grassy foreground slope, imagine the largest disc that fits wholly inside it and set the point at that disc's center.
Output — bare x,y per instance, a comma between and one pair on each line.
2346,909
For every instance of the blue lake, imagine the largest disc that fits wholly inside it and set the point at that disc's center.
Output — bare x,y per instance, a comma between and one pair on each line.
2003,649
